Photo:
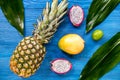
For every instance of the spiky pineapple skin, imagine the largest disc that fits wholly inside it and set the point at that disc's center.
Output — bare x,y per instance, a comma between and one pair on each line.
27,57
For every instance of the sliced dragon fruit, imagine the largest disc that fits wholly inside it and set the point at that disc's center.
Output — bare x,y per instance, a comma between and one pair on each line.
61,66
76,15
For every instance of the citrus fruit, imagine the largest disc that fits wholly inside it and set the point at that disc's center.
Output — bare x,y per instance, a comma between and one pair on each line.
97,35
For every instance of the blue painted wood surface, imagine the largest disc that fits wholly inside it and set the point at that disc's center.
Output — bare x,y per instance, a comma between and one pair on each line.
9,38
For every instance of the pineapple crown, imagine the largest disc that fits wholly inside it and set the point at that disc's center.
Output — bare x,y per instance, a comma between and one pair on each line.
52,16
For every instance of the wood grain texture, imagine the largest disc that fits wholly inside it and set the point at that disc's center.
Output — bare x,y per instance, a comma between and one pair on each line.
9,38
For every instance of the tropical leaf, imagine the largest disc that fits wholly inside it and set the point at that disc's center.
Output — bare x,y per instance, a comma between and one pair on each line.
103,60
99,11
14,12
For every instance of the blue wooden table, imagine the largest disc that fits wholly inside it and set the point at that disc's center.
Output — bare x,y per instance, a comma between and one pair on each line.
9,38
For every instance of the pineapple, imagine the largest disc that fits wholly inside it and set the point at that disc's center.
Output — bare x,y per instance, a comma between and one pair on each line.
30,52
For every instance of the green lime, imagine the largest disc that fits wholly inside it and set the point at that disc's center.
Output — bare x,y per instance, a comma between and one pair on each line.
97,35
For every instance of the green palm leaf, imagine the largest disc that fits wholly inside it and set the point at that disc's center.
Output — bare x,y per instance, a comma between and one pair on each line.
99,11
14,12
103,60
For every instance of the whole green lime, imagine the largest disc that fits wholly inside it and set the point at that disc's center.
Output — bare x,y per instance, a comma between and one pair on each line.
97,35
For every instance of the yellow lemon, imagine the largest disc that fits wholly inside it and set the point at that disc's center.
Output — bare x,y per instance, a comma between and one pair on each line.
71,44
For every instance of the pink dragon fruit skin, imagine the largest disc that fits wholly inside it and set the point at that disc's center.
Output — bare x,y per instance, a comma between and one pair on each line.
61,66
76,15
